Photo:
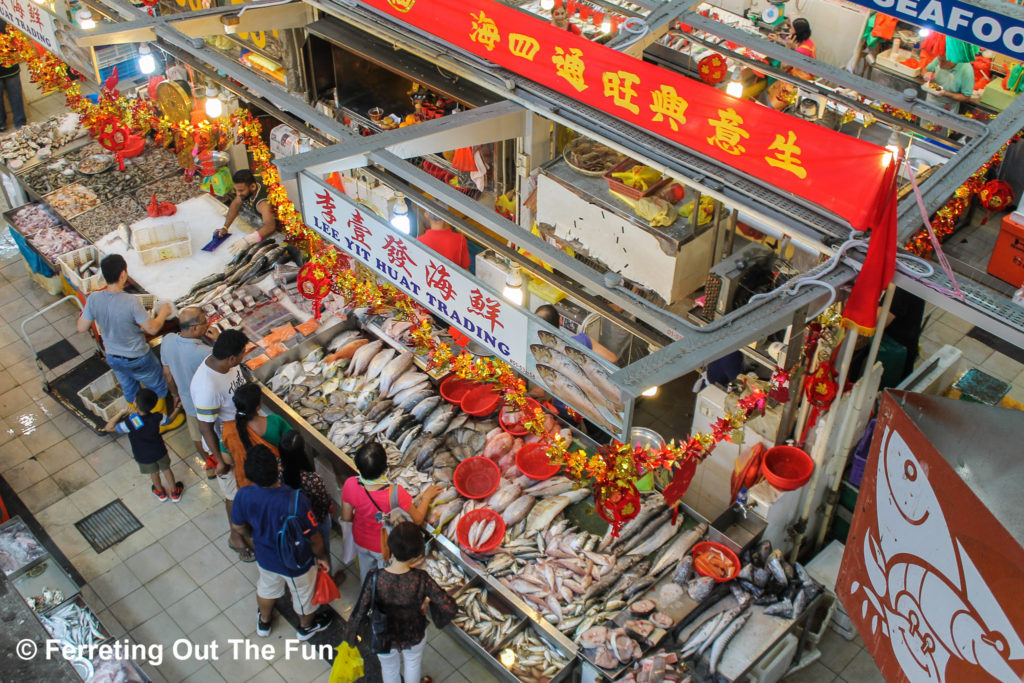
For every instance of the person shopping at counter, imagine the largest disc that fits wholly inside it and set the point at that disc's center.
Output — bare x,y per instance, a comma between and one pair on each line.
10,83
446,242
367,498
250,428
181,354
125,324
261,511
951,76
252,204
403,594
213,388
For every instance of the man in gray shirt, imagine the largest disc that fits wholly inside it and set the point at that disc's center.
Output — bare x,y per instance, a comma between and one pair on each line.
124,325
181,354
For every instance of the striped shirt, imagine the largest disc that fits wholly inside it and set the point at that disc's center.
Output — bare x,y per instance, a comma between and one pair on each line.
212,393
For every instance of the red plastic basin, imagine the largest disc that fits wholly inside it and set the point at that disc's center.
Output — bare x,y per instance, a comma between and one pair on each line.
787,468
481,401
481,514
476,477
133,146
532,460
702,548
454,388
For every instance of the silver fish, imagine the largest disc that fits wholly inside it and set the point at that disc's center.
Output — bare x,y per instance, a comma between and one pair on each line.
679,546
700,588
395,369
776,567
700,634
783,608
388,422
682,573
378,362
660,536
610,540
644,533
568,368
410,398
408,379
362,357
438,420
598,375
408,437
544,512
727,618
314,356
610,577
517,510
723,640
342,339
503,497
425,407
566,389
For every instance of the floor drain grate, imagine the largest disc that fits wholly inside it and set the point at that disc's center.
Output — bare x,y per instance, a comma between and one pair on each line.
110,524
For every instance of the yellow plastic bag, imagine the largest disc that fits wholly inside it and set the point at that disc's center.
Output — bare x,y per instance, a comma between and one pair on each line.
348,665
638,177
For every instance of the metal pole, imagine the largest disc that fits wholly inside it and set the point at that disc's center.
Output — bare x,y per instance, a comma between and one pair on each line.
733,220
821,442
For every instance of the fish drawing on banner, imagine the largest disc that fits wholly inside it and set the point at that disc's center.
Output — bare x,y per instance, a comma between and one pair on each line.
926,593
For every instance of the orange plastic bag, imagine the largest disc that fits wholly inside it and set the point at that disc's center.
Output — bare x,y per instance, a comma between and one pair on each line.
325,591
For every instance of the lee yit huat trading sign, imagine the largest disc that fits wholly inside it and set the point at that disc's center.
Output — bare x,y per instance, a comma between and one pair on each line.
536,350
835,171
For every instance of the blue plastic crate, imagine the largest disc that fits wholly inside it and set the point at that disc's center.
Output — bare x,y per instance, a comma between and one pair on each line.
125,70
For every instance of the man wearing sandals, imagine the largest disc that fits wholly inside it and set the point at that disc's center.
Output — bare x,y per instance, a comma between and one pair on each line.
213,389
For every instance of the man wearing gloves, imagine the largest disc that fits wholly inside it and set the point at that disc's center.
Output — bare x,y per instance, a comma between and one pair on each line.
251,203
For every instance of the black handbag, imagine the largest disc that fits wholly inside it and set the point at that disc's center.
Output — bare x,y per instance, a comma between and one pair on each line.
380,639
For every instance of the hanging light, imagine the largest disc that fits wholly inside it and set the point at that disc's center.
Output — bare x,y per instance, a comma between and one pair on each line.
606,25
735,87
925,32
513,291
650,393
214,107
400,214
147,63
547,5
85,20
893,146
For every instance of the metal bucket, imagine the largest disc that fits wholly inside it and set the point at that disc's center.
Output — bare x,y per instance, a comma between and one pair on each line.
646,438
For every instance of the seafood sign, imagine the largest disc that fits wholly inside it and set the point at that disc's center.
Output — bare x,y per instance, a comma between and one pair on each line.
930,577
465,303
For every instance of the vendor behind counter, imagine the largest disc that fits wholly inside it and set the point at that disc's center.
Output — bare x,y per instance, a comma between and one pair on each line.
252,203
953,73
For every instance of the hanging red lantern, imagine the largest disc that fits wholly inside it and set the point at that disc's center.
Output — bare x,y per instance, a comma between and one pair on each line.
995,195
617,504
821,390
314,283
712,69
113,135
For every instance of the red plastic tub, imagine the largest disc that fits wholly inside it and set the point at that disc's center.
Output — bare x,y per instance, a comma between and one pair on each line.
485,515
532,460
787,468
517,428
481,400
133,146
454,388
476,477
698,566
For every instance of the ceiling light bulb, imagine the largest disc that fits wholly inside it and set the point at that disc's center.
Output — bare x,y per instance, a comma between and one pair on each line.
85,20
214,107
513,290
547,5
925,32
147,63
650,392
400,214
606,26
735,87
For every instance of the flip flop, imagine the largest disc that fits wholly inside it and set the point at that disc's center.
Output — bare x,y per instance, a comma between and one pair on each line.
244,554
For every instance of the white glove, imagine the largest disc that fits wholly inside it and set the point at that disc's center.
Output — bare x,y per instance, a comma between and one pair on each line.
240,244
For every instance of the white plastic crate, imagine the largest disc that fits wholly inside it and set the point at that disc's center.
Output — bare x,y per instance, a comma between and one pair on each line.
104,385
73,260
162,242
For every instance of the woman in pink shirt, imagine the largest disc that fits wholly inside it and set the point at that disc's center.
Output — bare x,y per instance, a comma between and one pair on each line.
366,497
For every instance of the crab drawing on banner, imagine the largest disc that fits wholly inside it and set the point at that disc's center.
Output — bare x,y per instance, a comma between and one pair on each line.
924,591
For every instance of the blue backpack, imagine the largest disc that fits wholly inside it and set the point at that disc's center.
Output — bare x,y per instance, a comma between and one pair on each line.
293,546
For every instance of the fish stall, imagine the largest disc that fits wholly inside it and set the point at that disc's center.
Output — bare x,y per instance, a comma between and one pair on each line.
525,555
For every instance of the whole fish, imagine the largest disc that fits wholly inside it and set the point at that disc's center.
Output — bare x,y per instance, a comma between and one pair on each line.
550,487
388,422
682,574
609,578
438,420
394,369
362,357
598,375
700,588
377,364
783,608
399,427
376,410
551,341
628,578
340,340
350,348
517,510
660,536
424,408
544,512
569,369
723,640
776,567
678,548
610,540
727,618
503,497
700,634
408,379
574,396
406,439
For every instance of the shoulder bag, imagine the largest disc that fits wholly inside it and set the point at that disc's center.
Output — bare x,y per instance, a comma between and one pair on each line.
380,639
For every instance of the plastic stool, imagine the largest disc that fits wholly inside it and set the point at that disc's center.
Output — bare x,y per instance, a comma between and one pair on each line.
775,663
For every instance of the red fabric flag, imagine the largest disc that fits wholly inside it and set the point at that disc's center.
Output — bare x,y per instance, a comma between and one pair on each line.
861,312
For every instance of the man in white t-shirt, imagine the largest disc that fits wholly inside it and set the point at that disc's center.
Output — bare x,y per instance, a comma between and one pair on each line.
213,389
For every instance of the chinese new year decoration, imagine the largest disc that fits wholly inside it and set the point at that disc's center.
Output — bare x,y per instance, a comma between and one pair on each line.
995,195
712,69
314,283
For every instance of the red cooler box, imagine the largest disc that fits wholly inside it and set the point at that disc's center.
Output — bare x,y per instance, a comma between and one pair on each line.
1007,262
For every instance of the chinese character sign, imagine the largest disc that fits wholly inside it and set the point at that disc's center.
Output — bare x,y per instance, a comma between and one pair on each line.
37,25
564,367
840,173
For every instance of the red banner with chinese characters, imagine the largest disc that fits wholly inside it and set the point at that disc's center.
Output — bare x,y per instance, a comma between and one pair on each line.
842,174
